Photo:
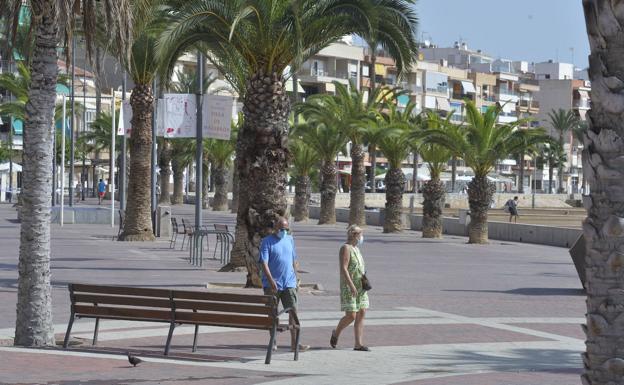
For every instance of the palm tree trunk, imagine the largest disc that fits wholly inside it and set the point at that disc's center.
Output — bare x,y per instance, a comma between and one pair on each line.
521,174
373,157
357,215
205,185
560,188
33,325
164,163
433,194
138,223
264,144
302,197
220,200
328,193
415,173
480,192
550,178
98,81
372,72
604,227
178,182
235,188
453,173
395,183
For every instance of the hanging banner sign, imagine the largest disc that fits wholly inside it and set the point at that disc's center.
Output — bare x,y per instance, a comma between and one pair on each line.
125,116
217,114
180,115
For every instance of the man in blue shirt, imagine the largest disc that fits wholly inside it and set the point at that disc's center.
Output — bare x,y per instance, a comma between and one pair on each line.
278,259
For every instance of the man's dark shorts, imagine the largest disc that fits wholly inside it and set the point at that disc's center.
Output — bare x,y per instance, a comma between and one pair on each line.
288,297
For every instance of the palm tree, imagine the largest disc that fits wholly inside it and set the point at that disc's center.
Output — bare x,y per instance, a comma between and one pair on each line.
481,143
304,159
436,157
183,154
602,229
562,121
220,153
34,325
395,145
327,140
164,164
373,134
262,38
554,154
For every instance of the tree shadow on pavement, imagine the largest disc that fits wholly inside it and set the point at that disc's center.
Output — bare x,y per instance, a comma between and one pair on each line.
531,291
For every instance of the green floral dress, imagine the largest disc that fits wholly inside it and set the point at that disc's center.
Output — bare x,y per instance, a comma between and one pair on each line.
356,268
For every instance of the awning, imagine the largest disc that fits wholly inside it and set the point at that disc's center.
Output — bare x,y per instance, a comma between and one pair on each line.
18,127
468,87
443,104
430,102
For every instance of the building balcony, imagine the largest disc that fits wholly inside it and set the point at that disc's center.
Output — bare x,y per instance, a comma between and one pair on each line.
488,98
462,96
438,89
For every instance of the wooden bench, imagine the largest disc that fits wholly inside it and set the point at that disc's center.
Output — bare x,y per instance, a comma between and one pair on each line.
177,307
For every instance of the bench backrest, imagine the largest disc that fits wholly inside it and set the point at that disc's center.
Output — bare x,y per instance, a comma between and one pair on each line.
190,307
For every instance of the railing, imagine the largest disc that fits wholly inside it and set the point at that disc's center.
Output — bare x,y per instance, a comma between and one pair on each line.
329,74
529,103
439,89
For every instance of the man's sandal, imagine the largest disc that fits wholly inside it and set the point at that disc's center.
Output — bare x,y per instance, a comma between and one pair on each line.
362,348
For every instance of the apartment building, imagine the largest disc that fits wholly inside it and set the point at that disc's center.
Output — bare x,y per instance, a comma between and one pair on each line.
340,62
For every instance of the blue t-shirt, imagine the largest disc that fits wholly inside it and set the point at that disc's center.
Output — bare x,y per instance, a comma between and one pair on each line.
101,186
280,255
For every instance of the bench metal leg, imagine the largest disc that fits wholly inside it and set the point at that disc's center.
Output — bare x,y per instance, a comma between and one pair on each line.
297,344
195,338
169,336
68,332
270,348
95,332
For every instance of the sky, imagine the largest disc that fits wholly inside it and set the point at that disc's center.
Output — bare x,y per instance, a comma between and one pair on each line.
530,30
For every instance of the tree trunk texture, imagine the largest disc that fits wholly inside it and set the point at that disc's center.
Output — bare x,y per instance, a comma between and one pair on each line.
220,200
372,71
433,193
329,187
178,182
357,215
138,223
550,178
33,325
302,198
480,192
521,174
603,166
235,189
263,140
373,158
164,163
560,188
205,184
395,183
415,173
453,173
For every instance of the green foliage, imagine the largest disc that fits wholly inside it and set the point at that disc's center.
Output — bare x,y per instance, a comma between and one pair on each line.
482,142
395,144
562,121
304,158
435,155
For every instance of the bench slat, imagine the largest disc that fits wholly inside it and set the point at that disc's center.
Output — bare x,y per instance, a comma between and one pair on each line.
122,300
121,290
223,307
222,297
122,313
224,319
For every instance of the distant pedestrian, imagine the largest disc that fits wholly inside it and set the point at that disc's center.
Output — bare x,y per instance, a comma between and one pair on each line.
101,191
278,259
353,298
511,206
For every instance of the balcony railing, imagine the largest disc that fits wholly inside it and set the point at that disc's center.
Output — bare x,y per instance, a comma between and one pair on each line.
439,89
329,74
529,103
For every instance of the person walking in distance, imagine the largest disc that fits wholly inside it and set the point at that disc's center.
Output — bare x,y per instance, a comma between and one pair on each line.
101,191
278,259
353,298
511,206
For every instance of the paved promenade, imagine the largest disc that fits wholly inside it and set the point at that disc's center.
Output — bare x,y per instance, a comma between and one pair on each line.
442,312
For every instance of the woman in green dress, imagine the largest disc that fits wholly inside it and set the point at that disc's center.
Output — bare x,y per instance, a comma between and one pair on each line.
353,299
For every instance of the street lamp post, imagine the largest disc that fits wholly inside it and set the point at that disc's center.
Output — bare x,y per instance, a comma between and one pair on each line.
72,129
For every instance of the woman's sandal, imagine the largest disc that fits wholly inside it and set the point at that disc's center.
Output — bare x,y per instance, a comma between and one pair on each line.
362,348
333,341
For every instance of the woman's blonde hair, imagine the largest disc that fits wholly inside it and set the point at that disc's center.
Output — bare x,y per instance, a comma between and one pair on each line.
353,230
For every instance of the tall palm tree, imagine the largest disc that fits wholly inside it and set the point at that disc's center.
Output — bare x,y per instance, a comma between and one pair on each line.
304,159
481,143
434,191
164,164
554,155
327,140
602,154
183,154
396,146
220,154
54,19
373,134
562,121
263,38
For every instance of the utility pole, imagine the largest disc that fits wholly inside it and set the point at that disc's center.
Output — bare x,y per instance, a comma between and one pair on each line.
122,163
84,175
73,123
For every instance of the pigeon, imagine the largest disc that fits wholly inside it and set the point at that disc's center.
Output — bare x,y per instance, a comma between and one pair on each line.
134,360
